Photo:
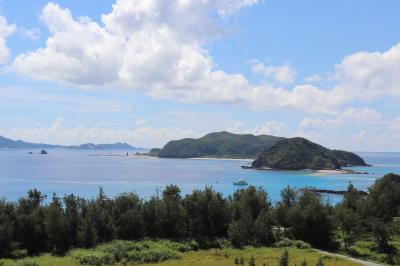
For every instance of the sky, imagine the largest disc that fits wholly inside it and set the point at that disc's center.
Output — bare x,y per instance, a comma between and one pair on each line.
149,71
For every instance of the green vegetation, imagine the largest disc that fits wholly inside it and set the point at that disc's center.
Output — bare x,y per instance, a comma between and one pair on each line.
300,153
202,220
219,144
220,257
154,152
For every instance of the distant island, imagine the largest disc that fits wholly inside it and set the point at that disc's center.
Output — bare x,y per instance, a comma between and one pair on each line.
301,154
218,145
6,143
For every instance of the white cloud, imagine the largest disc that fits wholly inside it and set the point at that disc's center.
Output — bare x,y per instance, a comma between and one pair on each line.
158,47
395,125
57,133
283,74
30,33
313,78
237,127
152,47
369,75
268,128
272,128
349,116
140,122
5,31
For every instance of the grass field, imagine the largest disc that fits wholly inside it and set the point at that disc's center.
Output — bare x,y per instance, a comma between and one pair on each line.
217,257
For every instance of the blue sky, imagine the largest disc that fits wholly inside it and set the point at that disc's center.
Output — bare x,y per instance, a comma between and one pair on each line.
145,72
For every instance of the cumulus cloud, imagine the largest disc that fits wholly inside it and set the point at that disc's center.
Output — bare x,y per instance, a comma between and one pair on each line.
271,128
283,74
268,128
349,116
369,75
152,46
159,47
57,133
5,31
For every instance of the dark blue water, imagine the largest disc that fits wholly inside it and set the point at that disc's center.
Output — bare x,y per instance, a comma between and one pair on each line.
74,171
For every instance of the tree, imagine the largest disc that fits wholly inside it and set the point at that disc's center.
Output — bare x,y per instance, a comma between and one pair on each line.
172,219
102,215
56,227
7,218
73,216
384,197
237,234
87,233
30,227
288,197
128,217
311,221
263,229
252,261
207,214
284,259
349,224
382,237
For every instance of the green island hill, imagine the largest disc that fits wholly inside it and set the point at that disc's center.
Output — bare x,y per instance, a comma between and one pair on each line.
300,154
219,145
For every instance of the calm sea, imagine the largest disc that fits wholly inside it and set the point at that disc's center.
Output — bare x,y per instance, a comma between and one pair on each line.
81,173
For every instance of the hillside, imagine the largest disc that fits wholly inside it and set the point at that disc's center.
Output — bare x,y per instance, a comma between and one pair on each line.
219,144
6,143
300,153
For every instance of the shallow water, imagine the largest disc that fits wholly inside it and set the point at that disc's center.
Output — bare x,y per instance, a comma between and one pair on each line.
76,171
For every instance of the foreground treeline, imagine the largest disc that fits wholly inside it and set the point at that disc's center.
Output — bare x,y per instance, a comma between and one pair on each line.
35,224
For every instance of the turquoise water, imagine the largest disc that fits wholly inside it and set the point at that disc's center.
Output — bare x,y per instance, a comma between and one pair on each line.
74,171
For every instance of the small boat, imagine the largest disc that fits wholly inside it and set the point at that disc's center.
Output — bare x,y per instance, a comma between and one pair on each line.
240,182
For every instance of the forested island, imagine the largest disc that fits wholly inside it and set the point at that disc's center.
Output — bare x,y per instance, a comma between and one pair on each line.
362,224
268,151
300,154
219,145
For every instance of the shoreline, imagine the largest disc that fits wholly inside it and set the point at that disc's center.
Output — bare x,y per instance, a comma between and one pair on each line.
313,172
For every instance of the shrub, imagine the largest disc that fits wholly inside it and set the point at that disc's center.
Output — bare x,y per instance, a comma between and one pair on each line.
19,254
284,242
93,257
301,244
144,251
26,262
118,249
151,255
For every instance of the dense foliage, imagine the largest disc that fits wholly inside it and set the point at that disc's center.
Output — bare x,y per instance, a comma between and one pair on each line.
204,218
300,153
219,144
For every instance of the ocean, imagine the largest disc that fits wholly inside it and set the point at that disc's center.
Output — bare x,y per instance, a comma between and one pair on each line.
82,172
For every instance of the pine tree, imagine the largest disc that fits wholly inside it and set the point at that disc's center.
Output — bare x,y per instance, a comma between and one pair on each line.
252,262
284,260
